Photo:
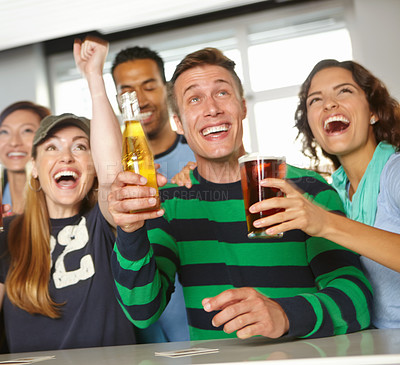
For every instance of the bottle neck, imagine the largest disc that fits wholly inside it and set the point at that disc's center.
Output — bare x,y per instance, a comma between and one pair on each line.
130,107
127,114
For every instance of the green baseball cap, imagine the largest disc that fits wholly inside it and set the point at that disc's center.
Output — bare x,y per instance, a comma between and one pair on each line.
50,122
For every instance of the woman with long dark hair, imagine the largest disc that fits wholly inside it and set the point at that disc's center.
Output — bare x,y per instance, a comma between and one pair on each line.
348,112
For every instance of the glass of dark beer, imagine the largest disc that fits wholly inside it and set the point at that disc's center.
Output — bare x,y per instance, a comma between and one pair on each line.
255,167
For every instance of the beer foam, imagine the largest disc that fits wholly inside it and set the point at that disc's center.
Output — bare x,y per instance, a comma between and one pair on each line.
255,156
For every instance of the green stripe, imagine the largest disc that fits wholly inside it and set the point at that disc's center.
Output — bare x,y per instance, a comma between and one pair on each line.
233,210
244,254
195,294
148,322
132,265
124,309
170,185
358,299
140,324
318,245
200,334
357,295
325,280
139,295
317,307
157,235
167,266
340,325
330,199
296,172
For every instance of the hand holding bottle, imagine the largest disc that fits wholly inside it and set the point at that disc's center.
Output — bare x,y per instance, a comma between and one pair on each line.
129,193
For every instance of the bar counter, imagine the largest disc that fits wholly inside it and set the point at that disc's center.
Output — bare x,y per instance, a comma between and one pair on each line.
365,347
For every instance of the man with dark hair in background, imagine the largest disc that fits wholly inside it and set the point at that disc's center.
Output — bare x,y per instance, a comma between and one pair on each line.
141,70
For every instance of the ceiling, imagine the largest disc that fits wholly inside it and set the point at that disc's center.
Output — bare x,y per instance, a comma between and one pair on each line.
24,22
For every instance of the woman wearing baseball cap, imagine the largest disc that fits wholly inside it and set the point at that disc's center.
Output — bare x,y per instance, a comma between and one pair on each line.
54,257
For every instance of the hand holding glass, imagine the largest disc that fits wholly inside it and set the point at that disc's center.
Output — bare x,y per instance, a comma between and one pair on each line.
255,167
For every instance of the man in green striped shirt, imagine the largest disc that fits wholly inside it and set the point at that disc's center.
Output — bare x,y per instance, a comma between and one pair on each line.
297,285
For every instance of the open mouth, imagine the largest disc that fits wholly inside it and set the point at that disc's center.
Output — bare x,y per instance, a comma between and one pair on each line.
215,130
336,124
66,178
16,154
145,117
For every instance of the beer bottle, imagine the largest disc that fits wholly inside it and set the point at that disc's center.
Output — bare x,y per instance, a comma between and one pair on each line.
136,153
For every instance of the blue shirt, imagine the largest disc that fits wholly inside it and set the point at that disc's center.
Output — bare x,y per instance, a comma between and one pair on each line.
175,158
6,195
386,282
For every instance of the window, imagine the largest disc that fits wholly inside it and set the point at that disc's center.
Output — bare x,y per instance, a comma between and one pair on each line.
276,70
287,62
274,51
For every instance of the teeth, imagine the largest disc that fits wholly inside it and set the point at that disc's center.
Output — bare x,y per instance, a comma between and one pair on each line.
216,129
17,154
146,115
61,174
336,118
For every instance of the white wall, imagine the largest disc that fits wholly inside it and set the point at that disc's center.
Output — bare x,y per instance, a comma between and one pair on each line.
374,27
23,76
375,31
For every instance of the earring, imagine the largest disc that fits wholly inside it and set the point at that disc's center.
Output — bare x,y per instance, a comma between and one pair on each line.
31,187
372,120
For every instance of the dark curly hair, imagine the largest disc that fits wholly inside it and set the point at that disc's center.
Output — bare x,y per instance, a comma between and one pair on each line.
380,102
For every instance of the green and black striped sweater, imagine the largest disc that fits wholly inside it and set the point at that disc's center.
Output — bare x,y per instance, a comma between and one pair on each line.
203,236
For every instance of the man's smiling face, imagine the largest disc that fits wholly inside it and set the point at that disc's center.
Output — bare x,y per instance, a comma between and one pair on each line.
211,112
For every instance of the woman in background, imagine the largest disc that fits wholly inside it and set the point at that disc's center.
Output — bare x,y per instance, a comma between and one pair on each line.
348,112
18,124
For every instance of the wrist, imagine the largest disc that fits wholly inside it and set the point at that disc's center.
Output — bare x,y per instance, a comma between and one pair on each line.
332,226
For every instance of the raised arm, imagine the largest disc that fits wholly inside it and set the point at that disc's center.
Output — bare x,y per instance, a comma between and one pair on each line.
105,131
